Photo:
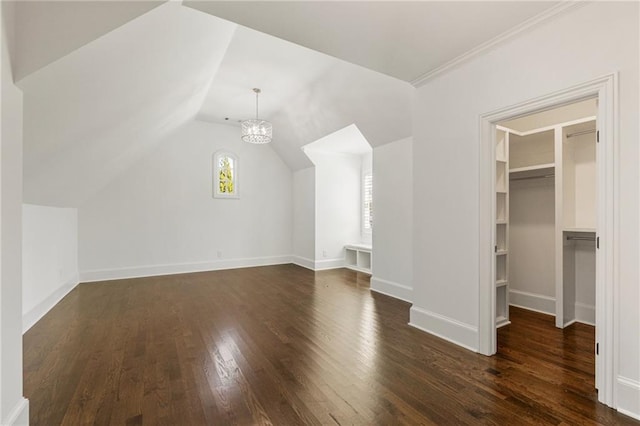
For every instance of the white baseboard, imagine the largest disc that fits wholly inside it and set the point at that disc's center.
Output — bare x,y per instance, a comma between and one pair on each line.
324,264
393,289
19,414
38,311
585,314
628,397
304,262
446,328
180,268
532,302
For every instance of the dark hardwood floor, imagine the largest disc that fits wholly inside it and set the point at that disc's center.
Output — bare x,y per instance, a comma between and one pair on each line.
284,346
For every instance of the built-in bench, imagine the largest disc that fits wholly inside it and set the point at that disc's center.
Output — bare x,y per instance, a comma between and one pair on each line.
358,257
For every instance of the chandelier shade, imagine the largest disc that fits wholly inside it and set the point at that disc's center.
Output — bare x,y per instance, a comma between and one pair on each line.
256,131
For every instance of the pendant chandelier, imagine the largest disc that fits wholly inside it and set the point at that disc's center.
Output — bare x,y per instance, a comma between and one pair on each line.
255,130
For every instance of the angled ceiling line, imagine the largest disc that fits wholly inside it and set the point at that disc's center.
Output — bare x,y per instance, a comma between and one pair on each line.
500,39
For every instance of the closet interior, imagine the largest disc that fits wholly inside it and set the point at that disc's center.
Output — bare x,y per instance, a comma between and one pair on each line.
545,227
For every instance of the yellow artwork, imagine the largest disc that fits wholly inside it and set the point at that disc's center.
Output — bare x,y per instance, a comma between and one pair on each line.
225,177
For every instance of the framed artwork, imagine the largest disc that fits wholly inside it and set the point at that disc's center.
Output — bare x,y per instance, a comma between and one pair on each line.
225,175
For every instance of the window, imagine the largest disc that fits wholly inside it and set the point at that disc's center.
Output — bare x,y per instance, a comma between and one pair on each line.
225,175
367,202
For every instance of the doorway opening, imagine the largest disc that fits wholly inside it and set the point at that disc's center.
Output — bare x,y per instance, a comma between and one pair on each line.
547,234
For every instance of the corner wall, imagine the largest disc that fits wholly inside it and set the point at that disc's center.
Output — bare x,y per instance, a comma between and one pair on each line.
570,49
159,217
393,219
49,259
304,217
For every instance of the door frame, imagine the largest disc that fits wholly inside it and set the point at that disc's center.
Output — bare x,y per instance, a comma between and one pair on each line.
605,89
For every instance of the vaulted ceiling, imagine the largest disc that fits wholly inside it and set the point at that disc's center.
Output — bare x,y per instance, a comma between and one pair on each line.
403,39
104,82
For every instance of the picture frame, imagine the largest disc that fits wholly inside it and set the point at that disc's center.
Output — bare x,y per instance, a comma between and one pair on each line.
225,179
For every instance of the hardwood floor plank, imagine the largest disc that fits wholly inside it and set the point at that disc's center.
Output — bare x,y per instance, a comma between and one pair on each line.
282,345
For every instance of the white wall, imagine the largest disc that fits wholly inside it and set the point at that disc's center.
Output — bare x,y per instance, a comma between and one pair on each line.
393,219
304,217
584,168
337,205
49,259
585,276
531,245
570,49
159,217
13,408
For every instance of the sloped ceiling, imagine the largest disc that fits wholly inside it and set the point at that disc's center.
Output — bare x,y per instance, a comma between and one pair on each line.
94,112
345,141
96,103
403,39
49,30
306,94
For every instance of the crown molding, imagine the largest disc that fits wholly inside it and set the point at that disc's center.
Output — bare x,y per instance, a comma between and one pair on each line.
521,28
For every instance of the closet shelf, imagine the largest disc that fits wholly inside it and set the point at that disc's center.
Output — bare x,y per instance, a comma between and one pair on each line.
501,222
501,283
501,252
586,230
533,167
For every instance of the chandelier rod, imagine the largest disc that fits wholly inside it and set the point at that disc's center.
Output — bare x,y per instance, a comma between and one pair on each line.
257,92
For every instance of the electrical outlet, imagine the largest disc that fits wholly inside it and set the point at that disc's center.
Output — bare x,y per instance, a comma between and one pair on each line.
324,253
219,254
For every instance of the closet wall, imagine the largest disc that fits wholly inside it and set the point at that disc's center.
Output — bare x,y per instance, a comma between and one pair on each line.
531,240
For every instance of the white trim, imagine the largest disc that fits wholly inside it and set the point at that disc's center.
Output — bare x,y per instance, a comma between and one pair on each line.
37,312
19,414
179,268
392,289
304,262
446,328
548,128
324,264
585,314
558,235
628,397
319,265
358,269
533,302
521,28
605,88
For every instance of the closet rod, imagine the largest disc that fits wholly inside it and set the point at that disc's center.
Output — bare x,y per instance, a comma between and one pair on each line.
533,177
584,132
572,238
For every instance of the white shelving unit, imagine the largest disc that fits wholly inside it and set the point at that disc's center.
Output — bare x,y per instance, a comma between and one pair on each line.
358,257
502,228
